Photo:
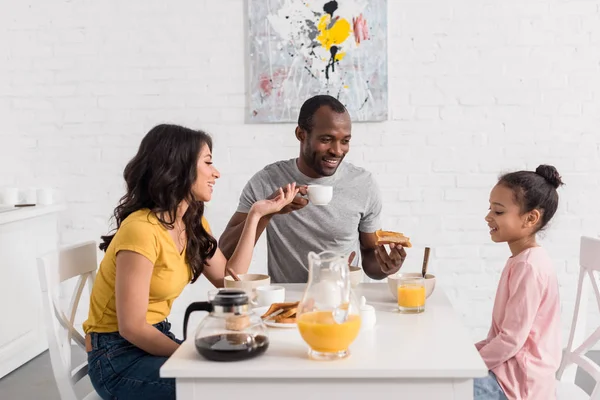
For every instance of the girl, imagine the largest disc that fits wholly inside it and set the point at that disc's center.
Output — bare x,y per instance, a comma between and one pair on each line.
523,347
162,242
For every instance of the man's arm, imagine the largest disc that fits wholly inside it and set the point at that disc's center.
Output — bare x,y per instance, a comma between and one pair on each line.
371,221
231,236
370,265
368,248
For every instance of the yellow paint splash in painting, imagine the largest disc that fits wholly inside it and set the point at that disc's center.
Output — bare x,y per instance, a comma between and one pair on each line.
335,35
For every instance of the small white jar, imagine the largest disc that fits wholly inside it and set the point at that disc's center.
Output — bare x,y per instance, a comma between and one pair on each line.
367,314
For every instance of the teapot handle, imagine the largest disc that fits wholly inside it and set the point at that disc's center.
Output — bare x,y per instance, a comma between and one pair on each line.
197,306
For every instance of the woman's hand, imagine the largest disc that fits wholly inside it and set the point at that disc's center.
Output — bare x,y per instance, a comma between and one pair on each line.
242,255
284,197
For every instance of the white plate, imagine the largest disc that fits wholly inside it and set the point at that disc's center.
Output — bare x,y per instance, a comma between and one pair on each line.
273,324
260,310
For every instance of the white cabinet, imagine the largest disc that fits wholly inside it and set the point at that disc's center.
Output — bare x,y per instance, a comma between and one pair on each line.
25,234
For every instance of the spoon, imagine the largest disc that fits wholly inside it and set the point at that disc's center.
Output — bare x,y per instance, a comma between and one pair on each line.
270,316
351,258
425,261
233,274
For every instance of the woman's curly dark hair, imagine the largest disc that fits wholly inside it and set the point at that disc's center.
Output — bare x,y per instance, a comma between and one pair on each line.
159,178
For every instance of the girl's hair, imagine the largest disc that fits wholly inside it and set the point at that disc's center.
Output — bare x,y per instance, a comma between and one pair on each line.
535,190
159,177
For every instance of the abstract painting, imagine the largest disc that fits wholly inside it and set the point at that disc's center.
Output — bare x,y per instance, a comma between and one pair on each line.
301,48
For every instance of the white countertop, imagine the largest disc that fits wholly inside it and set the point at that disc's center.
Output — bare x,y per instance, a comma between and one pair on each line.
21,213
434,344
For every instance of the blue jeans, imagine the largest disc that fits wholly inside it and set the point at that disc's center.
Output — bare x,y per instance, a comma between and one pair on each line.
120,370
488,388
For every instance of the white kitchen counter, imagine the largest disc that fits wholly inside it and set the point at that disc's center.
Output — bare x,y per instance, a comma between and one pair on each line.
21,213
429,355
25,234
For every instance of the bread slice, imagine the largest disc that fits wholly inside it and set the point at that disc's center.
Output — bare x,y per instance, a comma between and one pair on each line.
288,313
287,316
286,320
387,237
277,306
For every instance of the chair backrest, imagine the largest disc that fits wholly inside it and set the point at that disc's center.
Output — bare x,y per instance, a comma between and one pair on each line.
575,354
55,268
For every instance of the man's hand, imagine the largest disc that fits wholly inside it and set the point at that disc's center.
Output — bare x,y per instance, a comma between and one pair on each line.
392,262
297,203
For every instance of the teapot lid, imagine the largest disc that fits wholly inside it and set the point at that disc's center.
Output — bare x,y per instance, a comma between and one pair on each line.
230,298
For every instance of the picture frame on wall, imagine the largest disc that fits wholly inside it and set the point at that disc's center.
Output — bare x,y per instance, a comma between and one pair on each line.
301,48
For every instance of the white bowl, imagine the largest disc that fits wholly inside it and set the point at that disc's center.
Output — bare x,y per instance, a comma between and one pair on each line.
247,282
393,282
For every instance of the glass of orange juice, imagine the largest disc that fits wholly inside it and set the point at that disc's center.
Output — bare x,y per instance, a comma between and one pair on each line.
411,295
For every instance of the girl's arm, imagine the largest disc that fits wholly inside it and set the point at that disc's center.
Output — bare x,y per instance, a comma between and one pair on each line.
525,291
485,341
480,344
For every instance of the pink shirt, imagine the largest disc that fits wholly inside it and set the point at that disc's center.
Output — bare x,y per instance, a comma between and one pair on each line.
523,347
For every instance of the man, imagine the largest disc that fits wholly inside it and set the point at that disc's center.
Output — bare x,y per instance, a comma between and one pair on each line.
346,224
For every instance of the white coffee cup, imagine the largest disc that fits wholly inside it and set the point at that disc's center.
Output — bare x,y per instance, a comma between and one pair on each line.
9,196
320,195
27,196
267,295
44,196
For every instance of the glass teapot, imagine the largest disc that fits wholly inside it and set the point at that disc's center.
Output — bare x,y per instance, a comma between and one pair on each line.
230,332
328,315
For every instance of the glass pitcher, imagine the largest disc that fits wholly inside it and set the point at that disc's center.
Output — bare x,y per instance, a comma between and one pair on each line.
328,315
230,332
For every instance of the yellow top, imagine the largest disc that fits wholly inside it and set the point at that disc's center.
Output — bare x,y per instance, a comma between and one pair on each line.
140,232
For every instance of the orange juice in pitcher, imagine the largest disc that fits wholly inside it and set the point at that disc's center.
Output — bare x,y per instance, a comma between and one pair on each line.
320,331
328,315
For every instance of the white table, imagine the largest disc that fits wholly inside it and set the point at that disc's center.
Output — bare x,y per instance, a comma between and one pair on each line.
422,356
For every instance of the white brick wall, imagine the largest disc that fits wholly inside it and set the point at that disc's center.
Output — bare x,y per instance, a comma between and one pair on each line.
477,87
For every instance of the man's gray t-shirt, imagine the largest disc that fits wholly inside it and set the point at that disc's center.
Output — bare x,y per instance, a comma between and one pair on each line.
355,206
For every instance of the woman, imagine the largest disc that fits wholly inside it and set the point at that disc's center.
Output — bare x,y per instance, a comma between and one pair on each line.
162,242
